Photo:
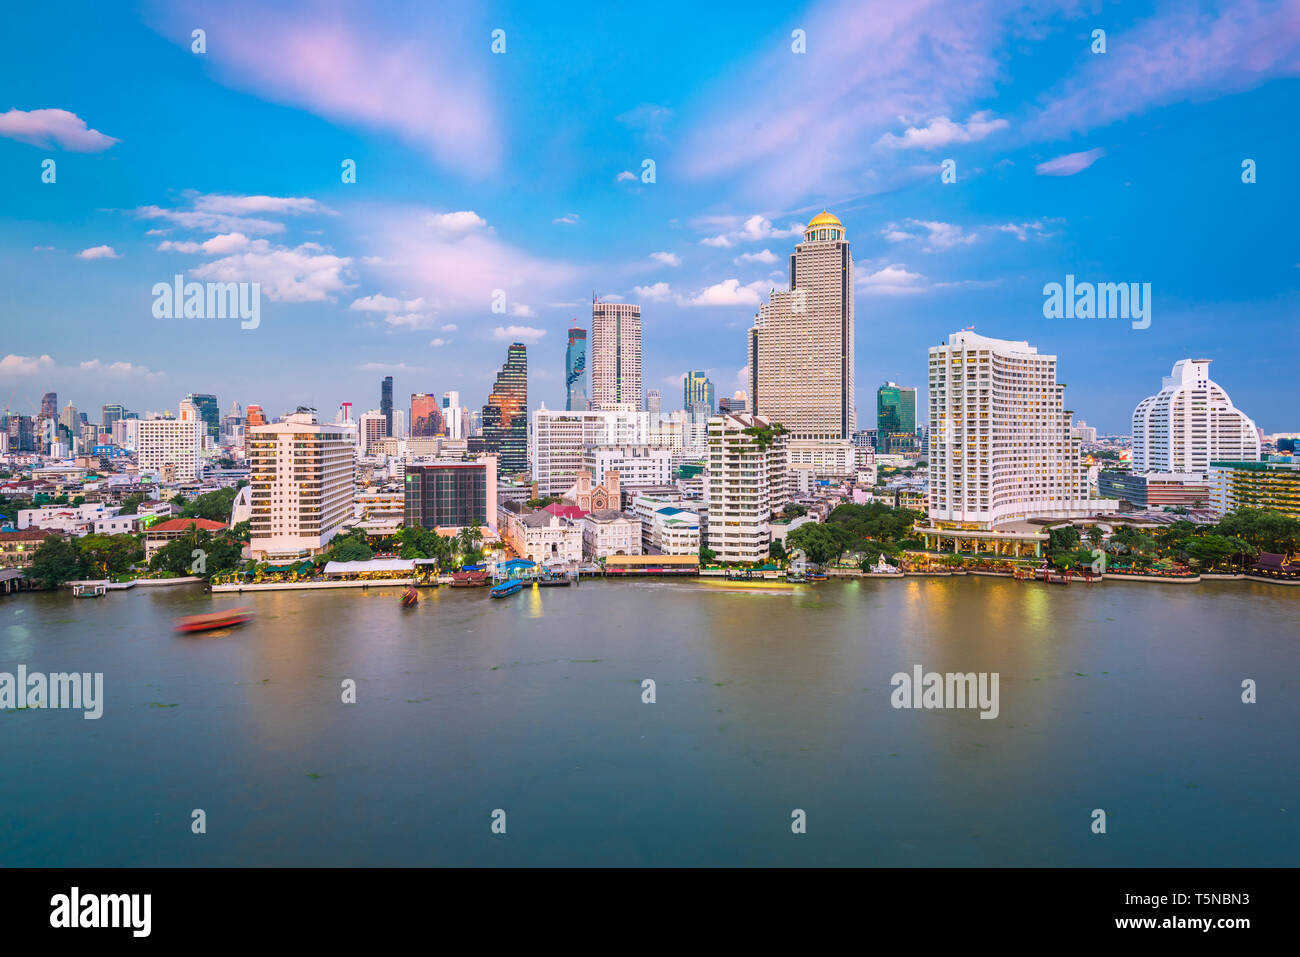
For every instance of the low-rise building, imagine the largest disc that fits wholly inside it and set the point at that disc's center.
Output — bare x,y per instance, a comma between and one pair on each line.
638,466
1269,484
539,535
609,532
17,548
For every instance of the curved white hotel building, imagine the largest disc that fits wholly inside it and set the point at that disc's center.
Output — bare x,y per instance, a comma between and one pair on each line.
1190,423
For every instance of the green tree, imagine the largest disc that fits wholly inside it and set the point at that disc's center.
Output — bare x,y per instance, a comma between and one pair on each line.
56,561
131,503
351,547
214,506
1210,550
707,556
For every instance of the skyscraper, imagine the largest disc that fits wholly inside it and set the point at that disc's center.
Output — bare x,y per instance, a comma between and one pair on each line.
575,370
654,401
386,403
1190,422
50,405
615,356
895,417
696,387
255,416
505,417
426,415
209,412
801,344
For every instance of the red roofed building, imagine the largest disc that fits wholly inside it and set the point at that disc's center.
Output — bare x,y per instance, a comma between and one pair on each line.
565,511
161,533
17,548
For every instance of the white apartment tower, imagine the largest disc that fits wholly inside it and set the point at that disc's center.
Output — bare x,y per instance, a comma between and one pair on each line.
302,477
1003,448
1189,423
615,356
372,428
801,344
175,444
747,483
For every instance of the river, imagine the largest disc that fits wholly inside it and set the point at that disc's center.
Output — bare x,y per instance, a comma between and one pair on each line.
1122,696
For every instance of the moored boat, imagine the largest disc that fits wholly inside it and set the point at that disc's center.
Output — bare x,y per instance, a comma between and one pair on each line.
506,588
217,619
470,579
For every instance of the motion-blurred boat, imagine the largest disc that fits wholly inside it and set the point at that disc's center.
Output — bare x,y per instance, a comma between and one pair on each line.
217,619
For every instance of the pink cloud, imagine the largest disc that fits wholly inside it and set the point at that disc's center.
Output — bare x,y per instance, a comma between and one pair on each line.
408,77
51,128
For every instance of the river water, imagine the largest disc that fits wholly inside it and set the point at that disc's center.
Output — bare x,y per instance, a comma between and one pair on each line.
1123,697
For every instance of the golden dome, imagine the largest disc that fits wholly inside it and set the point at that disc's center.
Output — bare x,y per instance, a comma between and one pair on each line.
824,219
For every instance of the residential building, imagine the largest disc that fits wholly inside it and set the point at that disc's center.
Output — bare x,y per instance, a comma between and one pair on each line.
801,346
303,477
171,444
830,459
668,527
371,430
1190,422
615,356
747,483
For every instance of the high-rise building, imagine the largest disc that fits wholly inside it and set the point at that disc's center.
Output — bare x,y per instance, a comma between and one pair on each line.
255,416
50,405
801,345
505,417
452,495
654,402
70,419
895,417
302,476
575,370
697,387
109,414
372,427
615,356
426,415
209,413
386,403
171,446
736,403
1189,423
1003,448
747,483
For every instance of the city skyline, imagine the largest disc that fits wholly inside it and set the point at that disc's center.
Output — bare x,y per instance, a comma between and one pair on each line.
1083,169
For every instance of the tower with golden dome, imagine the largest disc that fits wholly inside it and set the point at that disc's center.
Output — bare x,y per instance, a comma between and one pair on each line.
801,344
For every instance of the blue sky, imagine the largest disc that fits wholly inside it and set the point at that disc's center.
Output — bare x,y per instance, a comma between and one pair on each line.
479,171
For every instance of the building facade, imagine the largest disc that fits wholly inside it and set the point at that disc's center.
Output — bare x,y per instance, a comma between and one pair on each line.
615,356
801,345
302,476
171,445
1003,449
575,371
608,532
1189,423
451,495
747,483
505,417
1247,484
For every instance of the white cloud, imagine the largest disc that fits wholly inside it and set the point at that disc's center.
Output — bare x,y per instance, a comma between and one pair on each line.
50,128
381,303
521,310
729,292
450,327
755,228
568,219
625,177
216,246
117,370
98,252
439,342
233,205
892,280
518,333
286,275
666,259
25,365
655,292
720,241
937,235
1070,163
766,256
459,222
942,131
